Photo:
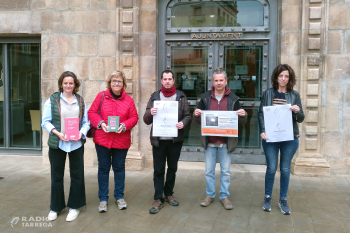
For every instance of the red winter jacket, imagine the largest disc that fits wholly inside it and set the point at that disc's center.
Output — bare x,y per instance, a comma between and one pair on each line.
124,107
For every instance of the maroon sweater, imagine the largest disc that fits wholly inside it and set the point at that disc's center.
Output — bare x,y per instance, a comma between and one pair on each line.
216,106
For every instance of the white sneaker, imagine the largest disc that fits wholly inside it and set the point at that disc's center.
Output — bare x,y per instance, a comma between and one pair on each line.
121,204
52,215
72,215
102,207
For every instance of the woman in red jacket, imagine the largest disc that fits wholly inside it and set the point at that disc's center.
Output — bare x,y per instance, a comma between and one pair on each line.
112,147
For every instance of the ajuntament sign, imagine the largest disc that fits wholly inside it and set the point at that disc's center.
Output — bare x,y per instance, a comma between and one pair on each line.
216,35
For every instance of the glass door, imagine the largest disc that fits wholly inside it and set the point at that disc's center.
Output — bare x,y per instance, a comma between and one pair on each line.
20,99
24,70
2,112
246,65
190,62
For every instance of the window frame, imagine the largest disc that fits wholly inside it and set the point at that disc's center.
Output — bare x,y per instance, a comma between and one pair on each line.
172,3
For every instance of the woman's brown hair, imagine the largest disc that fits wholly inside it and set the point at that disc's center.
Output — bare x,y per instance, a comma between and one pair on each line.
116,74
69,74
279,69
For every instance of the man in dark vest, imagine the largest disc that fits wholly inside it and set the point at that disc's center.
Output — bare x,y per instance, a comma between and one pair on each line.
219,98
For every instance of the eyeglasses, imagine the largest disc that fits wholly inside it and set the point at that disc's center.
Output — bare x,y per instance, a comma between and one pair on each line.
116,82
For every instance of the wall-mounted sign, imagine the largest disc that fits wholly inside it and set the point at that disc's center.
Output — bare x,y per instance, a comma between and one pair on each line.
216,35
241,69
235,84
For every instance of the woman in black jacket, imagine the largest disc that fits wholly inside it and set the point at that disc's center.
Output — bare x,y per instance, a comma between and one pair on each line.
283,80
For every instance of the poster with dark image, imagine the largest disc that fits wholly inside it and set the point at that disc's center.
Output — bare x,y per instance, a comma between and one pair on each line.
212,121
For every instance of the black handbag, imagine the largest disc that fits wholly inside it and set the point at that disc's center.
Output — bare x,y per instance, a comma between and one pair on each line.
91,132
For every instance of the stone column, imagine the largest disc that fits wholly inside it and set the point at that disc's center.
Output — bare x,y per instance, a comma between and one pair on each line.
311,161
127,59
148,69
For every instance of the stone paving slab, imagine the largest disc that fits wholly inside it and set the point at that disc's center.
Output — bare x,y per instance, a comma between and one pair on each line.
318,204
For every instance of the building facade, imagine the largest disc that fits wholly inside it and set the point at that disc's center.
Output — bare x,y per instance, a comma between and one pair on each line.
42,38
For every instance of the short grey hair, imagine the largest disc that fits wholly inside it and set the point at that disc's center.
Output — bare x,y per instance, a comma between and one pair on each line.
219,71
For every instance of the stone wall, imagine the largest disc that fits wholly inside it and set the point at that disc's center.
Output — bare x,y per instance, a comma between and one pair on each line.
335,86
76,35
94,37
313,38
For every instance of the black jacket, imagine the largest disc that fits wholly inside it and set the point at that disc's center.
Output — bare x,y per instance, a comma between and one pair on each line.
292,98
232,105
183,115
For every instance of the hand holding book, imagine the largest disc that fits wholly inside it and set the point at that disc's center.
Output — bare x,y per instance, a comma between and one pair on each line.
80,135
60,135
113,125
120,129
105,128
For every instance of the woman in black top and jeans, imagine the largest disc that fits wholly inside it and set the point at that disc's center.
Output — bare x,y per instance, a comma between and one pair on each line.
283,80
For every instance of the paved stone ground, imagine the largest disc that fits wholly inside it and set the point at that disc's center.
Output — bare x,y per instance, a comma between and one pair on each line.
317,204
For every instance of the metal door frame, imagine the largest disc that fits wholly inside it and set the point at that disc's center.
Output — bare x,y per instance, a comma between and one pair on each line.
182,36
6,149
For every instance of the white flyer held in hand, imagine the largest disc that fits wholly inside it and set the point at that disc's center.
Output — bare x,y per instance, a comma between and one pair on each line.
278,123
164,122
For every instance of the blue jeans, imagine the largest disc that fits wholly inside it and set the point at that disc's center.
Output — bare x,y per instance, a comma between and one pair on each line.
287,150
225,165
107,158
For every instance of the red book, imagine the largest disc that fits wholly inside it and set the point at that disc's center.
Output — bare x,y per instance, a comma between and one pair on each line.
71,128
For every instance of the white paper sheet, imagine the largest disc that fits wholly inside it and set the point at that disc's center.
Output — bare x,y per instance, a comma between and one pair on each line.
164,122
278,123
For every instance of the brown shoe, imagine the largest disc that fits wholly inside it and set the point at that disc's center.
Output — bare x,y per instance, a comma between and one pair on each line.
227,204
157,205
207,200
171,200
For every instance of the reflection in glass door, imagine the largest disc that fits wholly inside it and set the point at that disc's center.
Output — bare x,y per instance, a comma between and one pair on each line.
243,65
20,96
24,70
2,129
215,14
190,67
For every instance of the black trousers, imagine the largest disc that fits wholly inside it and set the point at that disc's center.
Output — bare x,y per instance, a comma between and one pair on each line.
77,197
166,152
